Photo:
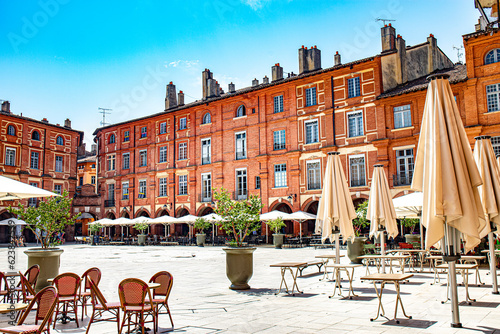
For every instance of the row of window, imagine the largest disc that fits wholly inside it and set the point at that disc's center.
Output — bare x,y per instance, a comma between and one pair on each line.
92,180
10,159
35,135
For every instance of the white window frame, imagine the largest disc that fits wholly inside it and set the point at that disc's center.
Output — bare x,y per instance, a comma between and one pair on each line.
244,144
306,123
58,188
10,156
144,185
183,149
496,57
207,118
11,130
206,151
143,158
111,192
409,165
240,192
36,156
162,156
126,160
278,104
111,162
144,131
125,190
126,135
493,97
352,157
92,179
162,187
57,140
206,187
183,123
354,87
183,186
163,128
280,177
311,99
241,111
279,140
58,164
349,134
402,116
310,162
33,201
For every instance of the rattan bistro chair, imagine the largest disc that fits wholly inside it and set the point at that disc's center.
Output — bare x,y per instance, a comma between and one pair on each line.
67,285
100,306
27,290
32,277
160,295
93,274
133,293
4,287
45,301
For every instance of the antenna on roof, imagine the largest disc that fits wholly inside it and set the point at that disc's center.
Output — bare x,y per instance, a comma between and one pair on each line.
104,112
384,20
459,53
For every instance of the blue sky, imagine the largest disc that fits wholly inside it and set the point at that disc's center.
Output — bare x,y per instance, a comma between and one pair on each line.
65,58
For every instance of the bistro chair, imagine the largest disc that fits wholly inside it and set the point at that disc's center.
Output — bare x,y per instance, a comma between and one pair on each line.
133,293
32,277
94,275
4,287
43,304
27,290
67,285
161,294
100,306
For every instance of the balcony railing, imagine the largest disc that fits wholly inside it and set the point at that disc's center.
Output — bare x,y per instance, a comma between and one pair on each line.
314,185
241,155
402,179
279,146
125,196
240,194
109,203
205,160
205,198
358,182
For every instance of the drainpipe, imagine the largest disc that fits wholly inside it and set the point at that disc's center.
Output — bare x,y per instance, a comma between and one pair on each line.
175,167
44,150
135,177
333,110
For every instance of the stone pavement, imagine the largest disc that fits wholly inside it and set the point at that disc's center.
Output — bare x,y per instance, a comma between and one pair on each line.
202,303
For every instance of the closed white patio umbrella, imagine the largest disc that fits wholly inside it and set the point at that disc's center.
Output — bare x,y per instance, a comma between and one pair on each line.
335,209
381,211
490,197
446,173
11,190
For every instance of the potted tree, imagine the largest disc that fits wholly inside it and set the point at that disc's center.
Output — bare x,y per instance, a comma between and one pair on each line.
356,247
94,228
47,222
203,225
141,237
239,219
276,225
411,223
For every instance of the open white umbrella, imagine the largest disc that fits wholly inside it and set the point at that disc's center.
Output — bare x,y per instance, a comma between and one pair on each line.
301,216
272,215
165,220
213,218
490,197
381,211
12,221
335,208
410,206
188,219
11,190
445,171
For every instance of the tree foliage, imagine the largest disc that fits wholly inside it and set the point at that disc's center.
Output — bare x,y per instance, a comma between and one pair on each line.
276,224
202,224
240,218
48,219
141,226
360,221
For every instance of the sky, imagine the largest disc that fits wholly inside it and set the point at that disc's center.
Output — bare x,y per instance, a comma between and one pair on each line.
66,58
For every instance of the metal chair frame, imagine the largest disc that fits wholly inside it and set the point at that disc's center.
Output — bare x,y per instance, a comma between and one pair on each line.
141,305
68,297
164,291
100,306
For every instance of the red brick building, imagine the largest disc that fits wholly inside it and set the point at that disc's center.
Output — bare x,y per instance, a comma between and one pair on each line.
38,153
270,139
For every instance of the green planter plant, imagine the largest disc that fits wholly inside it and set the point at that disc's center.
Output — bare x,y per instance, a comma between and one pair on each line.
239,219
276,225
94,228
411,223
203,225
355,248
141,237
47,222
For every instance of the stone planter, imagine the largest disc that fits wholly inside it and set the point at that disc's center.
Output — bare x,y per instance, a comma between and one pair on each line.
141,239
278,240
356,249
239,266
200,239
412,238
49,261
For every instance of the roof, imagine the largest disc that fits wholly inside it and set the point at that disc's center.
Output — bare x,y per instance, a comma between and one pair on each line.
3,113
458,73
480,33
91,158
242,91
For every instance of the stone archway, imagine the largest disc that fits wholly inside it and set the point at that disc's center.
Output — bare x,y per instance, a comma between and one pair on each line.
182,229
310,225
4,230
290,226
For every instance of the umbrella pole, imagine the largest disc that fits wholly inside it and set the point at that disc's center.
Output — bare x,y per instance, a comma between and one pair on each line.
422,246
493,263
337,248
382,249
450,240
213,234
267,233
300,235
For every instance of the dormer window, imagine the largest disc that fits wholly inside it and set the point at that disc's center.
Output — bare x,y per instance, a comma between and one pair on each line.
207,119
112,139
59,140
241,111
492,57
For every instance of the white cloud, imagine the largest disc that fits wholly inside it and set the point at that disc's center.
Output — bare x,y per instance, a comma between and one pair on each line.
183,63
254,4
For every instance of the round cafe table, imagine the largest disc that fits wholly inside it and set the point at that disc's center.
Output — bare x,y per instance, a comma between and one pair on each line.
8,307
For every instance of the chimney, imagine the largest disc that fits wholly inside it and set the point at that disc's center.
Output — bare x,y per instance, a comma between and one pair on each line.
6,106
309,60
93,149
231,88
217,88
336,59
171,98
205,76
67,123
180,98
388,34
401,74
45,120
432,54
277,71
265,80
211,88
255,82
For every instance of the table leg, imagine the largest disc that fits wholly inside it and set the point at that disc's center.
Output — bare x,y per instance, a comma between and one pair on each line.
398,299
379,296
295,280
325,269
350,277
465,275
336,272
478,277
282,281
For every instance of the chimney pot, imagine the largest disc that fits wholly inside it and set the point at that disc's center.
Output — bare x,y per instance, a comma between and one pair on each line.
388,38
336,59
302,46
390,25
309,60
6,106
170,98
385,25
277,72
67,123
180,96
255,82
265,80
231,88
